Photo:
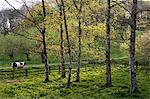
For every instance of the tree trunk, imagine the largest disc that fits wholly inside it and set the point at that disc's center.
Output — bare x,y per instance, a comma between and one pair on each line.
68,44
132,47
27,56
79,50
45,58
108,68
44,45
63,75
79,10
11,56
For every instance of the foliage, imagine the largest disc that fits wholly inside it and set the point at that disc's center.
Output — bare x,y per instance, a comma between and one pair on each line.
143,46
14,47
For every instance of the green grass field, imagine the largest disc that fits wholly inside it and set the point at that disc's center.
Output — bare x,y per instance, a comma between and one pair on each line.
91,86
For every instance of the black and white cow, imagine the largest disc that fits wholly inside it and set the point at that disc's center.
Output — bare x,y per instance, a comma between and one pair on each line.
18,64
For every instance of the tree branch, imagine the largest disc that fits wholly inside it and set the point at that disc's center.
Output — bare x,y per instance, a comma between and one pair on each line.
119,4
39,29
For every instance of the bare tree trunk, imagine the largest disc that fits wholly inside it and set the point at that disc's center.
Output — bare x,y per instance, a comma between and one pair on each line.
27,56
63,75
79,50
132,47
45,59
68,44
108,68
79,10
44,46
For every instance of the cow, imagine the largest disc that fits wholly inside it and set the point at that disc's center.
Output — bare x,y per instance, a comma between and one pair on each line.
18,64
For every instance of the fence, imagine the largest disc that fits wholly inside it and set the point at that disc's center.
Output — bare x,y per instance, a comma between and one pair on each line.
8,72
12,72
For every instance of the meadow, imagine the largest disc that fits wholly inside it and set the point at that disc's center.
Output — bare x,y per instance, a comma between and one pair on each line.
91,86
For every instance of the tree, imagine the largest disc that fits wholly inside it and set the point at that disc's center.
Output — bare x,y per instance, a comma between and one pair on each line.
68,44
132,47
78,17
10,47
42,30
107,44
26,49
63,75
143,46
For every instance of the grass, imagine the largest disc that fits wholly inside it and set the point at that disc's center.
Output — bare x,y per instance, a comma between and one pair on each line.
91,86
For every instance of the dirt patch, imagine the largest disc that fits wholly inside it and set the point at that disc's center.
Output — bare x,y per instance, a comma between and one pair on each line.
13,81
